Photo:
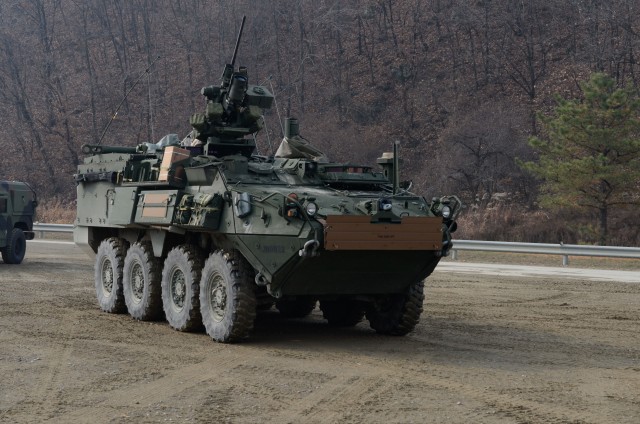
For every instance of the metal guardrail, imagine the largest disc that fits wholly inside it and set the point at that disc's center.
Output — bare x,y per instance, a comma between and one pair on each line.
52,228
564,250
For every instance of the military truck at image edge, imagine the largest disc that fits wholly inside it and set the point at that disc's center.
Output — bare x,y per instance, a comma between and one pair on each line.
204,232
17,207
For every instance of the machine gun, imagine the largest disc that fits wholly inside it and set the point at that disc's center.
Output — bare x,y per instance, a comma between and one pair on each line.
234,109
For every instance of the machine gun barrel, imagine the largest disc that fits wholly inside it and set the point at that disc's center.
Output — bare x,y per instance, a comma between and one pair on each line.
96,149
229,67
235,50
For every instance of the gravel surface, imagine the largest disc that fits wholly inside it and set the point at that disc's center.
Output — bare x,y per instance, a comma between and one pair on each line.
490,348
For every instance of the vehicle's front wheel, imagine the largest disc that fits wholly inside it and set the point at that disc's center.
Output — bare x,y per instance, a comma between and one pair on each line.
16,247
141,282
108,275
180,290
397,314
227,298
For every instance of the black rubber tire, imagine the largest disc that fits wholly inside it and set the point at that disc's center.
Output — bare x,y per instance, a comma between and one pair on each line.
227,297
342,312
180,288
142,274
16,247
108,275
297,308
397,314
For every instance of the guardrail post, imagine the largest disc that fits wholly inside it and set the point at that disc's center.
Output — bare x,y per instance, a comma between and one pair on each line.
565,258
454,254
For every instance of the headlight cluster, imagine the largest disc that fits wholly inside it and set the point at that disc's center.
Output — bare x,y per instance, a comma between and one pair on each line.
385,204
446,212
448,207
311,208
293,204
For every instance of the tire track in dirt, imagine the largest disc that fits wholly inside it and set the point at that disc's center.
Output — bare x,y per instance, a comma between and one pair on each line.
337,389
156,391
343,379
511,406
45,397
346,390
356,385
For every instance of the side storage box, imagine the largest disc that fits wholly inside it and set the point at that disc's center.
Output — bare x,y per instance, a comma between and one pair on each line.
121,205
157,207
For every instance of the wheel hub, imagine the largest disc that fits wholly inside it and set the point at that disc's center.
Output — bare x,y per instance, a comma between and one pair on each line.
137,282
107,277
218,298
178,288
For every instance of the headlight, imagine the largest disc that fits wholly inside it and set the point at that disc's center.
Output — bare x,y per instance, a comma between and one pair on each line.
384,204
446,212
311,208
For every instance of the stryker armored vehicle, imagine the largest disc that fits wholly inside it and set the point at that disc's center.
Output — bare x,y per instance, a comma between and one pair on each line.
17,207
203,232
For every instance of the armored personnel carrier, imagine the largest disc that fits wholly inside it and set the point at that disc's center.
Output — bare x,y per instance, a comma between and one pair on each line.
17,207
203,232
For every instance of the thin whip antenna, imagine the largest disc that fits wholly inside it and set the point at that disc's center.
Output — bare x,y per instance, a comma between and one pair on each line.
266,131
153,136
275,100
113,116
255,139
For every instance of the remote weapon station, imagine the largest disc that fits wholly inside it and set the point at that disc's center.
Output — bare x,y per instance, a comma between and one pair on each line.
202,232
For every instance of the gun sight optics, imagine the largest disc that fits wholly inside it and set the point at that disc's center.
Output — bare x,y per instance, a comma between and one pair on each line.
211,92
238,88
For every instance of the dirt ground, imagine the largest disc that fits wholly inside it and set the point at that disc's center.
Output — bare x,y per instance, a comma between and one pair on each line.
487,350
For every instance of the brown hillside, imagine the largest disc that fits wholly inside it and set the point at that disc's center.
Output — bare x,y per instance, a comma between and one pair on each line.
458,83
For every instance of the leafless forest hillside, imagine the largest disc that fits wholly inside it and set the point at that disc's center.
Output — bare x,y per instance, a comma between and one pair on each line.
458,83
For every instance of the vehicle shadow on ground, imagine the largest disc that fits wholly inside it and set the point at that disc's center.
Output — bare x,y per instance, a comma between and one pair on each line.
271,327
434,339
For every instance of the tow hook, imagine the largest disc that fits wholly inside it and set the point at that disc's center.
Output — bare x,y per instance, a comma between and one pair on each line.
310,249
261,280
446,246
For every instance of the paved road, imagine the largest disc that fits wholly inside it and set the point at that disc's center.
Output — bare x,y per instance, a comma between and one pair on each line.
540,271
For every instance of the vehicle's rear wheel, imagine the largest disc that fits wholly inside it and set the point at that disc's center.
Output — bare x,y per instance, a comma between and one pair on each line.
342,312
180,290
296,308
227,298
141,282
108,275
16,247
397,314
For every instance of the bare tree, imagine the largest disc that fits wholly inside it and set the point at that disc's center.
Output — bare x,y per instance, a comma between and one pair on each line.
485,144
